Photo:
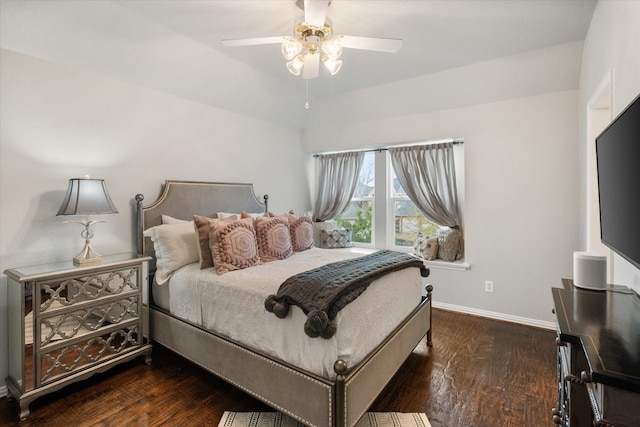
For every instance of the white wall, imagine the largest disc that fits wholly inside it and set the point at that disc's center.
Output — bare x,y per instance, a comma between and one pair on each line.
612,45
58,123
527,74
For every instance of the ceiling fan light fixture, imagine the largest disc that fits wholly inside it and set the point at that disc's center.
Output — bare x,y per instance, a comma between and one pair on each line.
332,47
295,65
313,42
333,65
290,48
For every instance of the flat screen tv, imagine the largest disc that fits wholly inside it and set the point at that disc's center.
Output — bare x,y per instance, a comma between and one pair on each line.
618,163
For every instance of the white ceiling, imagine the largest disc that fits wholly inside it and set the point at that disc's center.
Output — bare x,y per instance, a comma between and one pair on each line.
173,46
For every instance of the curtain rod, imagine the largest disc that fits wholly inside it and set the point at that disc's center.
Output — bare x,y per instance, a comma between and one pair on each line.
456,141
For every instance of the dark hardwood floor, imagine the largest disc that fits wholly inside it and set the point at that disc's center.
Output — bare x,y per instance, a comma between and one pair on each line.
479,372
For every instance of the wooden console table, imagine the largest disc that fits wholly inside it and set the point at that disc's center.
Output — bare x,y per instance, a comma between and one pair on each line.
598,356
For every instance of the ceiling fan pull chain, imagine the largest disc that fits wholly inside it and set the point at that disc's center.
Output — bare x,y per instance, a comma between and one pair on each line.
306,104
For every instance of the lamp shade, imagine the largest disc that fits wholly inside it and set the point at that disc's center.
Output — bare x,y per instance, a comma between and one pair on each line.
290,48
332,47
332,65
295,65
86,196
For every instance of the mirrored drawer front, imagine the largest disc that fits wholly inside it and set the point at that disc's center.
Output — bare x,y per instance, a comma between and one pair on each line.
64,324
59,361
59,293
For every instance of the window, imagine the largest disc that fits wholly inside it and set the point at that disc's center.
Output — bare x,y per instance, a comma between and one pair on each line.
407,220
358,215
390,220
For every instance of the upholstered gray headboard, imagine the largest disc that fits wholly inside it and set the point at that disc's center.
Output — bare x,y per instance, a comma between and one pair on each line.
183,199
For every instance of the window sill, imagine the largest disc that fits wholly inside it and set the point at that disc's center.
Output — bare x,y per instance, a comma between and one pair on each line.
459,265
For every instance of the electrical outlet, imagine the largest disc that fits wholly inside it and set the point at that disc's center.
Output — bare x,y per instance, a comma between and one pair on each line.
488,286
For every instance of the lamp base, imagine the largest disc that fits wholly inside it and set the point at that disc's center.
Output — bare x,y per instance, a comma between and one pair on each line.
87,255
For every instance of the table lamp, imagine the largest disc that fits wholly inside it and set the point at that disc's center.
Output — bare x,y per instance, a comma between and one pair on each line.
86,196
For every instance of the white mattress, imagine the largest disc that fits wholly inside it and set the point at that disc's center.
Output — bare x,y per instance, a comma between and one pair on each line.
232,304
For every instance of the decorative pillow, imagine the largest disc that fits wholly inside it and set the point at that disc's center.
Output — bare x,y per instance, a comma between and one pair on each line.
301,229
274,237
426,247
174,245
233,244
322,225
201,224
336,238
449,243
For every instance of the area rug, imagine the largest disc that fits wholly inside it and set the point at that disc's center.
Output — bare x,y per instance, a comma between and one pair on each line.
276,419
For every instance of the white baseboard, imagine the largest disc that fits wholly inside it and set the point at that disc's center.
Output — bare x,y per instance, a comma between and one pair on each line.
497,316
3,391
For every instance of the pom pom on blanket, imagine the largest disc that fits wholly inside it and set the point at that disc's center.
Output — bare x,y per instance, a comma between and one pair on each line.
319,325
279,308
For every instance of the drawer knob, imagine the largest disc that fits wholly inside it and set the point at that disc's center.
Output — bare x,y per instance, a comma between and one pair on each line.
557,416
574,379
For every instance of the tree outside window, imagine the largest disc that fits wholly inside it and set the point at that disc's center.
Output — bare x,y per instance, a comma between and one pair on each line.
358,215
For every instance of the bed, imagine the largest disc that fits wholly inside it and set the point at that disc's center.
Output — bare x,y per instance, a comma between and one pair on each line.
320,382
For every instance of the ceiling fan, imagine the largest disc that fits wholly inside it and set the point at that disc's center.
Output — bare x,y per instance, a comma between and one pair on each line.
313,42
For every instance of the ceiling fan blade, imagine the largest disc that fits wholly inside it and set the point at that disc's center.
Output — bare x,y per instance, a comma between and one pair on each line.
315,12
372,43
251,42
311,66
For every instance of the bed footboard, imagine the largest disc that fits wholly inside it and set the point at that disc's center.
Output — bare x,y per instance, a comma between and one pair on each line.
367,380
276,384
313,400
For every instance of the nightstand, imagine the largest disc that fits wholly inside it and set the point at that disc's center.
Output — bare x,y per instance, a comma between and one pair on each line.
68,322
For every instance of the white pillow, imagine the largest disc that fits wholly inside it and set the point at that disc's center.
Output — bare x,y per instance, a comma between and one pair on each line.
175,246
225,215
166,219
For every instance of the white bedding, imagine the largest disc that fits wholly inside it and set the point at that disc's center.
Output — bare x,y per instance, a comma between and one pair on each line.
232,304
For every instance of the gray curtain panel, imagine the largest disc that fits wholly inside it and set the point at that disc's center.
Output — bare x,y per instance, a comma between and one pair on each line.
336,179
428,175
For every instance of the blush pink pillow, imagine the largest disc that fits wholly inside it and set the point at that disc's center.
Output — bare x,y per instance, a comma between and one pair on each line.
301,229
233,244
201,225
274,237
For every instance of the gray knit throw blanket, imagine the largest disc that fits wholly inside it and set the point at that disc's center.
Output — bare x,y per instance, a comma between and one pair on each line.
322,292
